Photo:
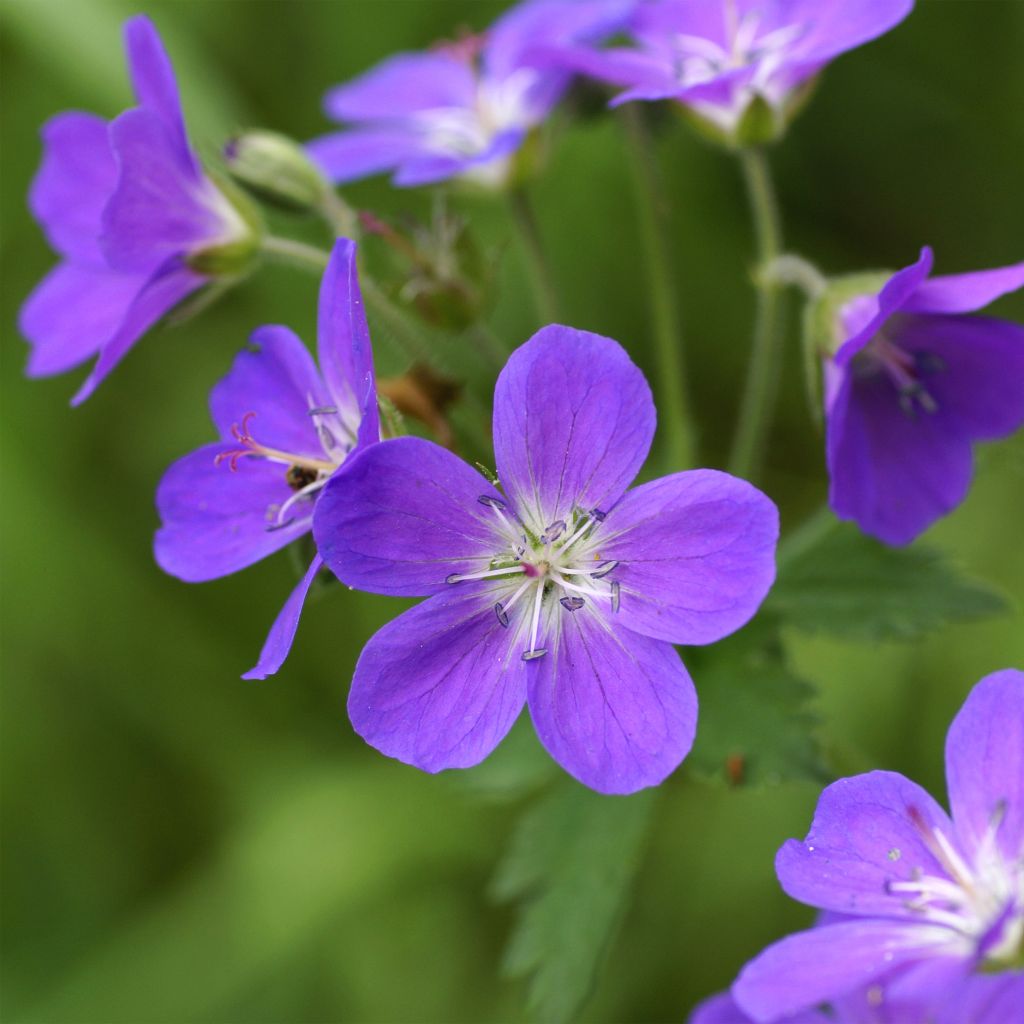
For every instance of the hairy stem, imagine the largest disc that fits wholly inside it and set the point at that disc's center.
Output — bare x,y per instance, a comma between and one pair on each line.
674,401
763,372
536,262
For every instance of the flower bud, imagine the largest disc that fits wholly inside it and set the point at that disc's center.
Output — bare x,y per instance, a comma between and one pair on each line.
275,168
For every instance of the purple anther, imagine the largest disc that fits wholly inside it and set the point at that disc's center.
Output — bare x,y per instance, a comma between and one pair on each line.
602,570
596,513
323,410
492,502
453,578
571,604
501,613
616,595
534,655
553,532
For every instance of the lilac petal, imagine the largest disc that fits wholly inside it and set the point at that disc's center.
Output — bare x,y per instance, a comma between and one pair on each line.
965,293
343,343
984,999
164,289
159,207
985,763
835,26
868,831
981,376
573,422
440,686
350,155
723,1009
282,632
73,312
811,967
873,311
216,520
615,709
892,473
696,555
74,182
277,381
557,22
153,81
431,168
403,515
404,84
617,66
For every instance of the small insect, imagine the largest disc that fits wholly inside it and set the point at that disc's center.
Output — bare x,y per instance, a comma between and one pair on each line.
735,765
298,477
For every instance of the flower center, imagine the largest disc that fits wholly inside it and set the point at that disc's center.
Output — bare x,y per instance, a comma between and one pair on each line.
541,576
982,900
305,474
905,370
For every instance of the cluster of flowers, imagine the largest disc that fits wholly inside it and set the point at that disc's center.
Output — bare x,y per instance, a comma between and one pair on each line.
560,588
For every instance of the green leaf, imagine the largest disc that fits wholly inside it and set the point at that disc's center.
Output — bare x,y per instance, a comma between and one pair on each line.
853,587
571,863
754,725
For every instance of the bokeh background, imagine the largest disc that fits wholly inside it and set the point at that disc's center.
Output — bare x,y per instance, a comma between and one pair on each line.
180,845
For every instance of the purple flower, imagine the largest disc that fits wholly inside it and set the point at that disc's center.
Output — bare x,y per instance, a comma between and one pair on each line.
565,592
933,906
722,1009
138,223
284,429
463,109
913,384
719,56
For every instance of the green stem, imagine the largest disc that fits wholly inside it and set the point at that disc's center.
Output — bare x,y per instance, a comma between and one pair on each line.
536,262
489,343
674,405
310,257
764,368
339,216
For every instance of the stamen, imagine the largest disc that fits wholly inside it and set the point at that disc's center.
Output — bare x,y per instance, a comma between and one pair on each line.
274,527
250,446
572,604
523,587
456,577
616,593
324,410
536,617
553,532
501,613
598,572
533,655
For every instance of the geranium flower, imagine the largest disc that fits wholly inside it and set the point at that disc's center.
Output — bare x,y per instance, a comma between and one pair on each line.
284,429
720,56
914,383
463,109
139,224
933,905
563,590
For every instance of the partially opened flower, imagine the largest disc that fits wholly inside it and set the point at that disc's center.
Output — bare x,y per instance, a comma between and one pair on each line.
914,382
563,590
138,223
719,57
463,109
284,428
933,906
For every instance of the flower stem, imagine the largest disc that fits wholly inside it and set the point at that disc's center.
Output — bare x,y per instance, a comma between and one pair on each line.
339,216
763,373
651,205
298,254
536,262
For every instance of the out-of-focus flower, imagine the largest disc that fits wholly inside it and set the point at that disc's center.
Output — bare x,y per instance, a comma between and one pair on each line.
565,592
463,109
138,222
731,61
285,427
912,383
933,906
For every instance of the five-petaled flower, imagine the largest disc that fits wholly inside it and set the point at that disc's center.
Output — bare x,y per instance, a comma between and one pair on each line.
564,590
463,109
285,428
139,224
718,56
912,385
932,905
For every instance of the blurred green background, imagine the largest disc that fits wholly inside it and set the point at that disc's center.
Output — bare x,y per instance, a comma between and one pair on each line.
180,845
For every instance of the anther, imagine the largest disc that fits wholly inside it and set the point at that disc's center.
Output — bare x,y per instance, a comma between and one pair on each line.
602,570
534,655
453,578
597,514
274,527
616,595
571,604
491,502
501,613
928,363
324,410
553,532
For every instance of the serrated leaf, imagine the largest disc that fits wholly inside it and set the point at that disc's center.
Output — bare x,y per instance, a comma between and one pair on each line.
572,861
851,586
754,725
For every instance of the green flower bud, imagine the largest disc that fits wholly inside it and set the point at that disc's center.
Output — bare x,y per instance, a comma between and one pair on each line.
275,168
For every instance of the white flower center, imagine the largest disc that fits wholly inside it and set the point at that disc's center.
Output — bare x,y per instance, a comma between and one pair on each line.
982,900
539,576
